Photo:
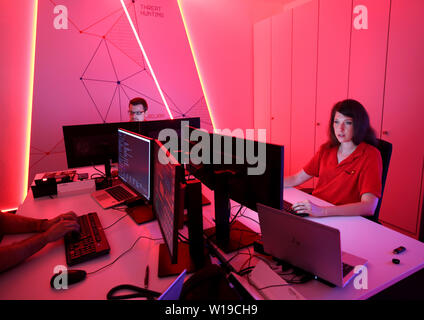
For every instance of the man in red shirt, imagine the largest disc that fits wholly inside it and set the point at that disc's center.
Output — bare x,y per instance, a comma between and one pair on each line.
349,166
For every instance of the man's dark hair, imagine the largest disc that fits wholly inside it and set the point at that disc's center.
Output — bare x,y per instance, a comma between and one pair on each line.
362,131
137,101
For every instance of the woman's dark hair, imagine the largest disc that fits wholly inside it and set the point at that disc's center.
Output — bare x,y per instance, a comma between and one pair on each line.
362,130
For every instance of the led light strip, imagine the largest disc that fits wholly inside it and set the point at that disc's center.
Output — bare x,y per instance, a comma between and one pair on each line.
8,210
147,59
196,64
30,100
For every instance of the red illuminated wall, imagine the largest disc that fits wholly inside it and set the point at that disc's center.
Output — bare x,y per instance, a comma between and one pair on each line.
309,57
77,70
85,74
16,65
221,32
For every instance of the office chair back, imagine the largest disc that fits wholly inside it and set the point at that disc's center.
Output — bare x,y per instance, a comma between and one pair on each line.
385,149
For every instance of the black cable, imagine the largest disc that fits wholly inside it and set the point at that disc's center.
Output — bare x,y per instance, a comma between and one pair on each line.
242,215
115,222
275,285
234,218
96,174
284,274
244,271
102,173
239,244
244,230
249,260
237,254
133,245
182,238
120,208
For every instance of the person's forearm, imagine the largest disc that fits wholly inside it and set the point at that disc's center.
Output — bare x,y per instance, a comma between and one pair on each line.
12,255
351,209
13,224
290,181
296,179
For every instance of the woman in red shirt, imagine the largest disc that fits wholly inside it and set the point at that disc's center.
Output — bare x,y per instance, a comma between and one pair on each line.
349,166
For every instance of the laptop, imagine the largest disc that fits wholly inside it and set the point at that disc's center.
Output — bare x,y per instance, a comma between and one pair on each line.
308,245
134,171
174,290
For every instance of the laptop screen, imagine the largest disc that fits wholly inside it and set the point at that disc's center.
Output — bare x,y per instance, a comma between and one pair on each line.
174,290
134,161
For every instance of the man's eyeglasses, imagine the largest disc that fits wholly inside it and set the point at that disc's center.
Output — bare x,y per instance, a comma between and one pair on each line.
138,113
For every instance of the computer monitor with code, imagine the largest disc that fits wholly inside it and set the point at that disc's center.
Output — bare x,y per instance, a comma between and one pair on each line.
135,161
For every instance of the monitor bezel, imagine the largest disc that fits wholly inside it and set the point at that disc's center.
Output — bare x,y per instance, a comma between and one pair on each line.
178,213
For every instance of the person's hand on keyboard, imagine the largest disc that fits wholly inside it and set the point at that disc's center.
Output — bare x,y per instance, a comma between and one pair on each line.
310,208
60,229
70,216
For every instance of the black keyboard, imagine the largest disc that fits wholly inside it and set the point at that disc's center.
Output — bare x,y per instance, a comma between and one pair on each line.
287,206
346,269
90,243
119,193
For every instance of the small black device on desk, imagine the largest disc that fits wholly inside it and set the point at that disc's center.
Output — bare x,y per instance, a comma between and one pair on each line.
89,243
82,176
399,250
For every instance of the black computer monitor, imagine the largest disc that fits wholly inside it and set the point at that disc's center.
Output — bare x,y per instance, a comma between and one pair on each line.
169,189
93,144
250,183
135,161
226,172
153,129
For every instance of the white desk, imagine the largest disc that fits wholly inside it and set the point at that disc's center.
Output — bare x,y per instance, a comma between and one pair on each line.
360,237
31,279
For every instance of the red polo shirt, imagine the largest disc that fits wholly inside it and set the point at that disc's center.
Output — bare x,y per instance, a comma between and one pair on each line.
345,182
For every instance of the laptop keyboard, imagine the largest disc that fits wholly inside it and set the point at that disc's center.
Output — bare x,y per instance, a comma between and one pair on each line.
346,269
119,193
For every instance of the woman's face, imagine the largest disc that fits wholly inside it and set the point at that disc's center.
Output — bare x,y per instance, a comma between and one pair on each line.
343,127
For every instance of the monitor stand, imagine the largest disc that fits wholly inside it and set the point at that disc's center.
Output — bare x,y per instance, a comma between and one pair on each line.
227,236
241,236
141,213
184,260
205,200
193,255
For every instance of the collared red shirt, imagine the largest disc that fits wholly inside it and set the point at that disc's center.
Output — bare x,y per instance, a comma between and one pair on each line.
345,182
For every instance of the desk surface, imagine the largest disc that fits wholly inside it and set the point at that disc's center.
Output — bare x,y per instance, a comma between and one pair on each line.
361,237
31,279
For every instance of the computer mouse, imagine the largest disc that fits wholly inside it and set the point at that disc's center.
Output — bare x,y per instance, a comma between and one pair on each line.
74,276
301,214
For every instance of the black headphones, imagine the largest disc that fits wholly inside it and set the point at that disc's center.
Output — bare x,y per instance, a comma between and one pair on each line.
138,293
